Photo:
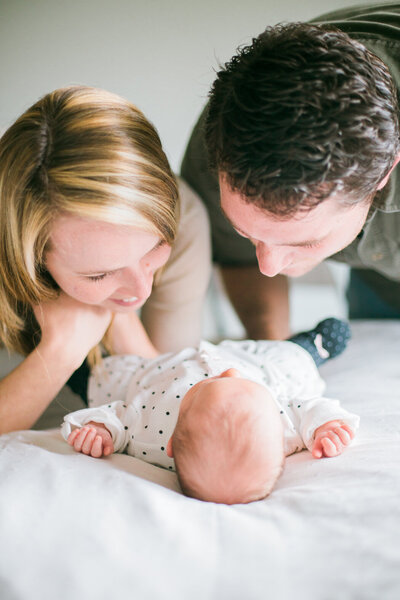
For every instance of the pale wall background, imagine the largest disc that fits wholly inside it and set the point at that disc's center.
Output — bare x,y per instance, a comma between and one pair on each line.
159,54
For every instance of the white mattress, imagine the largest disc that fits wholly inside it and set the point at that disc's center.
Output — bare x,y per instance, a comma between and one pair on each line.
78,527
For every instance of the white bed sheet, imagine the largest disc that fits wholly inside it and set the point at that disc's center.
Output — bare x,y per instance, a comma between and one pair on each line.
78,527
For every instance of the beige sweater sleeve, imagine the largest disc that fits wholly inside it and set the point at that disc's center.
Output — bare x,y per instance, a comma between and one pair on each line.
172,316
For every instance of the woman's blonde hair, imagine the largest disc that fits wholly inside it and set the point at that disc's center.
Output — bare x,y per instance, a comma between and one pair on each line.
80,151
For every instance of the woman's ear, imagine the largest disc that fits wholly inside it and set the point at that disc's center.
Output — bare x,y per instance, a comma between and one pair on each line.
386,178
170,451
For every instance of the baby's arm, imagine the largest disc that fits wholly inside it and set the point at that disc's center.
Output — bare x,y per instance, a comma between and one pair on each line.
331,438
93,439
117,418
324,425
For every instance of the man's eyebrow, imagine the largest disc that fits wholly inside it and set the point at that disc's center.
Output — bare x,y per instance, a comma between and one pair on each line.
313,242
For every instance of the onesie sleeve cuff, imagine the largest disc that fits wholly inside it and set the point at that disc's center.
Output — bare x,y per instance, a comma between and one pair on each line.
80,418
326,411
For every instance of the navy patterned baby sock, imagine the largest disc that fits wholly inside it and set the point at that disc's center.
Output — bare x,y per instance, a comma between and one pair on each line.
327,340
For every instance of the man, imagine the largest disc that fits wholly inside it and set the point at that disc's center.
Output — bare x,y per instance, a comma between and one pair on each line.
302,133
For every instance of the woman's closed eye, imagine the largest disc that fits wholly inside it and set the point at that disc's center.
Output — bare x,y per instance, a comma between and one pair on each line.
98,277
101,276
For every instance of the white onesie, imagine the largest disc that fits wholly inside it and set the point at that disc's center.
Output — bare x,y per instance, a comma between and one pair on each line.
138,399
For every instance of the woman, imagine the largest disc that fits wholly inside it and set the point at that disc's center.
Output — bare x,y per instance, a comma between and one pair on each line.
91,230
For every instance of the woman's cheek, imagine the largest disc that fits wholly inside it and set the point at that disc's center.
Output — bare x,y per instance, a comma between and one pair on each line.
88,292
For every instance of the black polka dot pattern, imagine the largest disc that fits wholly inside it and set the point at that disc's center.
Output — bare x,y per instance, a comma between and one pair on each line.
332,334
160,387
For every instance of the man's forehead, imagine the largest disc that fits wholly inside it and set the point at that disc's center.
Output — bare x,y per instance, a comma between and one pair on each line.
229,196
257,224
250,219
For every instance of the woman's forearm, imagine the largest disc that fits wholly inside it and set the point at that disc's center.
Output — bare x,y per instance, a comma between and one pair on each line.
27,391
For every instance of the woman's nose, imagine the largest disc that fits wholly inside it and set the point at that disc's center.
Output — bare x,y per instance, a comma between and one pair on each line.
138,282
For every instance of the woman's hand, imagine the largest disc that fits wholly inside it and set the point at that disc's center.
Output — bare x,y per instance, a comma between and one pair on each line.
71,327
69,331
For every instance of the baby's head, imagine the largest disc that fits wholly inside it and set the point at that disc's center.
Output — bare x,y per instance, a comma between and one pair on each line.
228,441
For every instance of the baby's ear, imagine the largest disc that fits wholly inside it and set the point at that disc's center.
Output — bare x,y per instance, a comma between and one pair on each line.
170,451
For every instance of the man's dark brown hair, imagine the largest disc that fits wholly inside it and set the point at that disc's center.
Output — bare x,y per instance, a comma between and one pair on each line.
301,113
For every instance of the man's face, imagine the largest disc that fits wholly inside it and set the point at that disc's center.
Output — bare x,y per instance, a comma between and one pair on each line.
293,246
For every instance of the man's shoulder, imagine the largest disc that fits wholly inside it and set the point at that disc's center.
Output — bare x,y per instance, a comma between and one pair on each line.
376,26
382,19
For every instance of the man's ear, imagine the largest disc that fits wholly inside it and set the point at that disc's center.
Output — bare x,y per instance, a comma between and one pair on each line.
386,178
170,451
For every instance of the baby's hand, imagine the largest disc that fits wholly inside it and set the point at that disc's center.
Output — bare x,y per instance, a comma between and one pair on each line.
331,438
93,439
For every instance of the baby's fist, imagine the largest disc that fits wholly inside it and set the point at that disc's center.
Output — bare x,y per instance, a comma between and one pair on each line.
331,438
93,439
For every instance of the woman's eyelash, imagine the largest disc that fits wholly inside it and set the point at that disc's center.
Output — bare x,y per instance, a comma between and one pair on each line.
98,277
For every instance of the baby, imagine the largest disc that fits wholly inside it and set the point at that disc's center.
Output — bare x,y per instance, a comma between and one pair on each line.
224,416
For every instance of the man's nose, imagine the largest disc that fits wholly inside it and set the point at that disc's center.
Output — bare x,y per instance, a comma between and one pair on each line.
271,261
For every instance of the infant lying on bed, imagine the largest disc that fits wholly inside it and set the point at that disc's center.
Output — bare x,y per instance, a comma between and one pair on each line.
224,416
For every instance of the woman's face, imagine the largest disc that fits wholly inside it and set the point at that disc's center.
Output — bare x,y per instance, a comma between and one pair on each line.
104,264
